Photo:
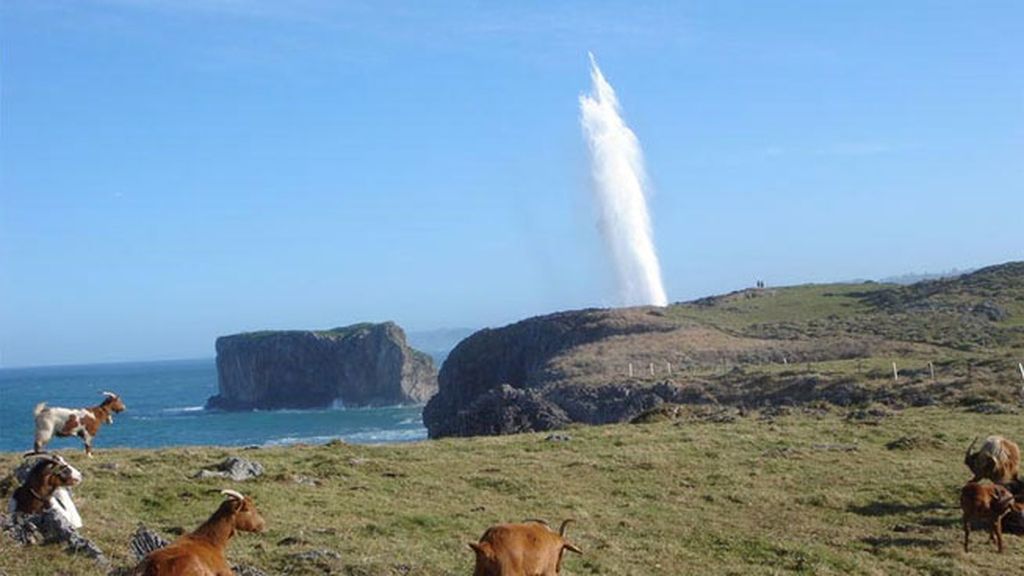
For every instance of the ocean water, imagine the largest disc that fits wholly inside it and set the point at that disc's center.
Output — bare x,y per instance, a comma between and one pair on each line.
165,408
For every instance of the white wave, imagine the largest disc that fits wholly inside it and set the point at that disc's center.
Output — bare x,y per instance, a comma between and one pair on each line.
183,409
387,436
365,437
291,440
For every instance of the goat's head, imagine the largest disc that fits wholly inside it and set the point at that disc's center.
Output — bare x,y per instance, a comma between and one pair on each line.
113,403
982,463
247,517
486,563
54,469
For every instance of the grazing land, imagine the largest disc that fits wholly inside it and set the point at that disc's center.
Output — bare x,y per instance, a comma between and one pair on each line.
703,489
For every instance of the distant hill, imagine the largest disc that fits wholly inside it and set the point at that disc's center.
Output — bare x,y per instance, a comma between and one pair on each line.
915,278
818,342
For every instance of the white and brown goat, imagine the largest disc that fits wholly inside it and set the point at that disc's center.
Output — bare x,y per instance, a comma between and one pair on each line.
82,422
201,552
46,487
997,460
527,549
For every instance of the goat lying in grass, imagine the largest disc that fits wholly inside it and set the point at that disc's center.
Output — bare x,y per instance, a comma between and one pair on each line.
201,552
46,487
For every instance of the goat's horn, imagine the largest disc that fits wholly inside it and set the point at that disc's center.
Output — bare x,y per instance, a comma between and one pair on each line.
561,531
44,456
233,494
111,394
971,447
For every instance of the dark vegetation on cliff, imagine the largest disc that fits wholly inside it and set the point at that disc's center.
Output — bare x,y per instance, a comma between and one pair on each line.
358,365
755,347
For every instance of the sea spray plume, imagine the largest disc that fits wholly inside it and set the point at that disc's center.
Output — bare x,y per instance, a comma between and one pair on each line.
619,179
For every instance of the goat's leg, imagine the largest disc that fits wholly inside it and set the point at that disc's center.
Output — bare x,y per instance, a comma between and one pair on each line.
998,528
43,435
967,533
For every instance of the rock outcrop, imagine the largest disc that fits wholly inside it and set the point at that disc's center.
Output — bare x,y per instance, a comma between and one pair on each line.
359,365
751,348
503,381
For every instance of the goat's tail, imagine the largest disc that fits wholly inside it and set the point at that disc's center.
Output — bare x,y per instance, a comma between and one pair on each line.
39,409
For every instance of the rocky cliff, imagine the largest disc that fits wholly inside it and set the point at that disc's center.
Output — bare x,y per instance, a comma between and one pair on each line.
359,365
954,341
505,380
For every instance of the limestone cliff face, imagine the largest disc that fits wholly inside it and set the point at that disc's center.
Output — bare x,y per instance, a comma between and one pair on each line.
505,380
359,365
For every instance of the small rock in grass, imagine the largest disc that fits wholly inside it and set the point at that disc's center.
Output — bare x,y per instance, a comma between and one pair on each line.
233,468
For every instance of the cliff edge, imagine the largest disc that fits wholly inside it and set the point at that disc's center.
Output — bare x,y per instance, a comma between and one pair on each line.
358,365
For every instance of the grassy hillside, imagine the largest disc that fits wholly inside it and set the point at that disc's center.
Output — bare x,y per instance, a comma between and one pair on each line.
968,330
815,490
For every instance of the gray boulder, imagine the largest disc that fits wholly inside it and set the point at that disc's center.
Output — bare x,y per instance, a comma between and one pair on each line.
233,468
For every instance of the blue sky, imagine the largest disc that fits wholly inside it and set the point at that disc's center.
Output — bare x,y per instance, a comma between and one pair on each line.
175,170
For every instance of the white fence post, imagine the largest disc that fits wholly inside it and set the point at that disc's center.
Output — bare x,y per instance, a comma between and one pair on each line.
895,373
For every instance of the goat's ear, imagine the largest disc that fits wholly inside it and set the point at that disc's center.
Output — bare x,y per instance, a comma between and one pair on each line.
479,549
572,548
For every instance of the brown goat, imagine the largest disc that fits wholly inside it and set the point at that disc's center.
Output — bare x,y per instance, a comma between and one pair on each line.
528,549
986,503
997,460
201,552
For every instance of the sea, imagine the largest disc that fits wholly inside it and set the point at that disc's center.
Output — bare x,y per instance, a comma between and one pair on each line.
165,408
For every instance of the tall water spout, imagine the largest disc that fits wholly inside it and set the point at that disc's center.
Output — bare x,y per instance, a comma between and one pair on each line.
619,181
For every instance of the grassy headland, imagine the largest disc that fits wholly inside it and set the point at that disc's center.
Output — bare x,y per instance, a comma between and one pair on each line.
861,477
800,491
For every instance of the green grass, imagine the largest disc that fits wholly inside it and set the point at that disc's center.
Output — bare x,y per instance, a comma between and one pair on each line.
807,492
793,304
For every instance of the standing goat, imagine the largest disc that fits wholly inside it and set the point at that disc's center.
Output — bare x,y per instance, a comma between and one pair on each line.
82,422
528,549
201,552
46,487
986,503
998,460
